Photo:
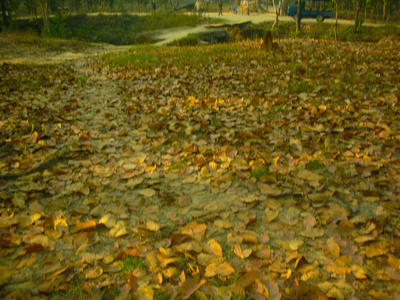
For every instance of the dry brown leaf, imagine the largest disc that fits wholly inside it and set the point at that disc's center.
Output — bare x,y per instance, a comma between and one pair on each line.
204,259
8,221
5,274
270,190
376,249
221,270
333,247
190,286
271,214
320,197
245,253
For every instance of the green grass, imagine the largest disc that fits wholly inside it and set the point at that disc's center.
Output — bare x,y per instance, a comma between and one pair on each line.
190,40
122,29
314,165
131,263
74,291
82,79
257,173
150,57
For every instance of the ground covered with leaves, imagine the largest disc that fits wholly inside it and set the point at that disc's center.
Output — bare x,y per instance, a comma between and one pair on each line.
214,172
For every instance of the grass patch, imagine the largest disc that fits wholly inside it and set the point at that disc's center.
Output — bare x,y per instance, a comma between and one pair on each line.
257,173
314,165
82,79
190,40
131,263
75,290
125,29
150,57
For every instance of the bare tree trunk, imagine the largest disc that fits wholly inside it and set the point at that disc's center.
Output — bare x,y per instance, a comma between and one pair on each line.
356,20
44,7
4,15
284,7
336,19
258,6
384,10
276,15
298,28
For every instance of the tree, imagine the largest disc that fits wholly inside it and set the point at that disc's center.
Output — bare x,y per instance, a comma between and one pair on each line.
298,21
335,2
277,12
284,7
44,5
4,13
357,22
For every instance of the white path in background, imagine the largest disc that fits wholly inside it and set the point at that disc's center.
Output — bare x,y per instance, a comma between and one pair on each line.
170,35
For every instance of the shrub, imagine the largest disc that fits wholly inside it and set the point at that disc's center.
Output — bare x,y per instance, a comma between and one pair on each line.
58,27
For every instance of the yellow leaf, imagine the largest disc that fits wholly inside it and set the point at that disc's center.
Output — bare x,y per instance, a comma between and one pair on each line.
224,269
144,292
152,226
147,192
295,244
358,272
119,229
84,225
376,249
313,232
194,246
170,272
5,274
215,247
204,259
94,273
8,221
270,190
134,182
90,258
309,176
108,220
363,239
182,278
271,214
248,279
320,197
164,262
333,247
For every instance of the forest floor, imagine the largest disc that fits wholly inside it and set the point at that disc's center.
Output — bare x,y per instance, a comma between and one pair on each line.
216,171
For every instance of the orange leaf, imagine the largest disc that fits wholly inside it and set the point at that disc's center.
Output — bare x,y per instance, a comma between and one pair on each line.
84,225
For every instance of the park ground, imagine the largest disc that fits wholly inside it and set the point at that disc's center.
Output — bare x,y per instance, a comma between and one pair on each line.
217,171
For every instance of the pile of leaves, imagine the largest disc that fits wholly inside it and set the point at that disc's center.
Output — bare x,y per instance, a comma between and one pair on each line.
232,174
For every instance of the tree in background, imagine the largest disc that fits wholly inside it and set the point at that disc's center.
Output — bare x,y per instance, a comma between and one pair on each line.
4,13
284,7
277,7
336,3
8,9
298,21
358,21
31,7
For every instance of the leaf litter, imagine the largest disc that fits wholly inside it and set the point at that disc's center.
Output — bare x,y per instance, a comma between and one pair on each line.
259,176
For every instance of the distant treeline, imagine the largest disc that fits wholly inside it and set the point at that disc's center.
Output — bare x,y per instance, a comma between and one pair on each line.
377,10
